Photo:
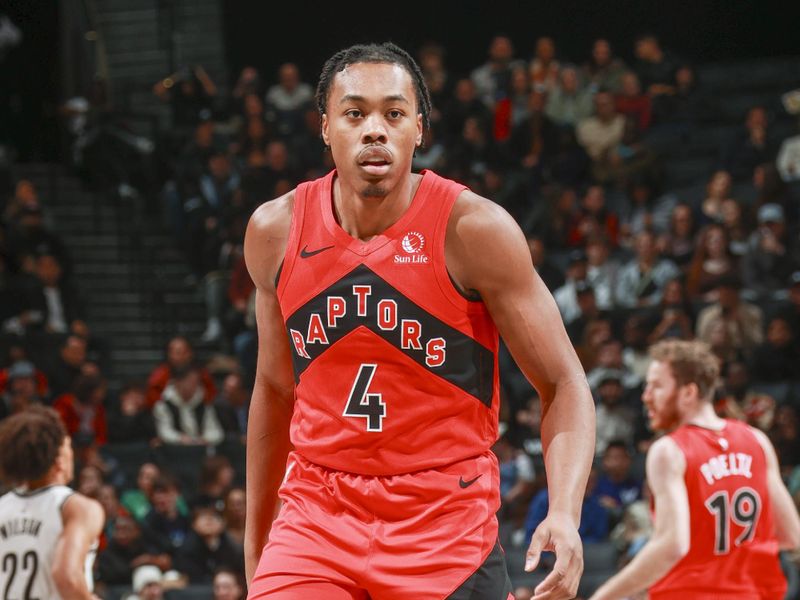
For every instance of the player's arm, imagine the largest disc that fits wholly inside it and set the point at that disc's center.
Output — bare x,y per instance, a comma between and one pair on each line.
671,534
83,520
486,252
272,401
787,522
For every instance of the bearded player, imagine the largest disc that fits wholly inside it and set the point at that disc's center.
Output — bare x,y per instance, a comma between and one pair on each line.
380,294
721,510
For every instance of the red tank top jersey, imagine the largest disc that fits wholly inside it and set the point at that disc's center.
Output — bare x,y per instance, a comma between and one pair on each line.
395,370
734,551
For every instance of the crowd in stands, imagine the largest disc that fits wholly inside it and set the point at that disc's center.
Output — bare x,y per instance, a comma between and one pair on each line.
573,150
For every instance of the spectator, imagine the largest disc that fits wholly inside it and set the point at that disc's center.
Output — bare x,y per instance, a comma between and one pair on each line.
550,274
737,399
182,416
717,191
148,584
617,487
768,261
288,99
234,514
635,354
656,69
248,82
751,147
566,296
53,301
83,411
21,390
644,209
614,417
190,91
228,585
131,421
788,160
603,70
790,309
771,189
602,271
778,357
89,481
785,436
233,405
165,524
631,102
464,104
517,477
474,152
737,230
741,321
216,478
674,317
126,551
207,548
179,356
677,244
533,140
712,259
602,132
492,79
30,237
569,102
594,518
641,281
137,500
544,68
609,359
594,219
440,84
68,366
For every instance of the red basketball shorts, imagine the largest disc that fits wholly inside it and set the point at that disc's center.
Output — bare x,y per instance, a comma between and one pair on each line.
425,535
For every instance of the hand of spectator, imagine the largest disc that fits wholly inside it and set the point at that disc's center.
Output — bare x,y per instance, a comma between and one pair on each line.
558,534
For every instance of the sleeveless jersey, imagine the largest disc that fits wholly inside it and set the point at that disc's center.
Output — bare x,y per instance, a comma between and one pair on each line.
30,525
395,370
734,551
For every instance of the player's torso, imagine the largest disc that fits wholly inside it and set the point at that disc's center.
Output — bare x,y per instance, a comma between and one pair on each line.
733,545
30,526
395,371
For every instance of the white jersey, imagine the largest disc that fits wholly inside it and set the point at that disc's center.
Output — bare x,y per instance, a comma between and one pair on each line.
30,525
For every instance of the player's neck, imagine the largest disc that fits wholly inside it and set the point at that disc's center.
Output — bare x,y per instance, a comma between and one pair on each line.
43,482
704,416
365,217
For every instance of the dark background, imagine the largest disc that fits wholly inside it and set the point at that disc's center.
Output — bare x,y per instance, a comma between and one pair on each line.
265,35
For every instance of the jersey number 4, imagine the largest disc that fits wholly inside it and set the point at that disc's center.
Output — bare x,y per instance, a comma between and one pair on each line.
364,404
743,508
30,562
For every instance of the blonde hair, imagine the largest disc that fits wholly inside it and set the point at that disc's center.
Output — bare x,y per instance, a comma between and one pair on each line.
690,362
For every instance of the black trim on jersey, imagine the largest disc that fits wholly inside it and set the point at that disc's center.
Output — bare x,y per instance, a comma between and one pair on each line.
469,365
30,494
278,274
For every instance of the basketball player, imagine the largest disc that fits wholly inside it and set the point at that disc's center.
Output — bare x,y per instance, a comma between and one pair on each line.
48,533
721,509
379,297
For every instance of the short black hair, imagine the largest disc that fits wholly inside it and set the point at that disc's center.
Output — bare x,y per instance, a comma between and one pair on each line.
387,53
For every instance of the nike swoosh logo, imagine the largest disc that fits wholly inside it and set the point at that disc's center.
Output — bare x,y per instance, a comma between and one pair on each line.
466,484
304,253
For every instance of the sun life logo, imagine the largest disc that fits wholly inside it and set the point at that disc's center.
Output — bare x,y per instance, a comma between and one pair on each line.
413,242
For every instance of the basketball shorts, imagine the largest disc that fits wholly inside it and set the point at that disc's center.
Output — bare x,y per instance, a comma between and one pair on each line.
428,535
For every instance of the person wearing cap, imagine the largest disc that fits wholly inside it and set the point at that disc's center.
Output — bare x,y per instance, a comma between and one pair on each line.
21,390
147,583
614,417
768,261
742,320
566,296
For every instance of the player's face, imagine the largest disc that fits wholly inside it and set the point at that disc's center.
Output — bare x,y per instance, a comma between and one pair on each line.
372,125
661,397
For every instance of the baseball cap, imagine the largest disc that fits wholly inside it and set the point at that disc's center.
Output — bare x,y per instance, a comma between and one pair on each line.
145,575
770,213
21,368
610,375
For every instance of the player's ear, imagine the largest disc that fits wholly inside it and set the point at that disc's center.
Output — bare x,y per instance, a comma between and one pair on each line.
420,130
325,129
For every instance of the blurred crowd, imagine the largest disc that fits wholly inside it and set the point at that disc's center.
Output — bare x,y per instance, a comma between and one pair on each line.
574,150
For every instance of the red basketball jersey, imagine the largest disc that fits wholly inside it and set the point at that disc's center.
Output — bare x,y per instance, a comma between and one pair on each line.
734,551
395,370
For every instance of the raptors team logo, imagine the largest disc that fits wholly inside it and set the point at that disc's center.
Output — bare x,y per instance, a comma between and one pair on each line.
412,244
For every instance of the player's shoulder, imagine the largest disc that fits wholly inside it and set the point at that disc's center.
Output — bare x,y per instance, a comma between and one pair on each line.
83,510
482,228
273,217
665,455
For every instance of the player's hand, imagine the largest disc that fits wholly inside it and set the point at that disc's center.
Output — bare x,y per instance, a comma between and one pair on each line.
559,534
